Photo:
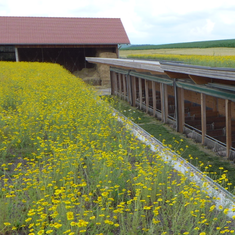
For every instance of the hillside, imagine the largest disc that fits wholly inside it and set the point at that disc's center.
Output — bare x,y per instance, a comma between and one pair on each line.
199,44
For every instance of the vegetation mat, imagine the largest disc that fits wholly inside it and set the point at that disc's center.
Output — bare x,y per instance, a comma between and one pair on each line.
69,167
202,60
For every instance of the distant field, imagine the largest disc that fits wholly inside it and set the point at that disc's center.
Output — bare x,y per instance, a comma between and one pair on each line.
200,44
221,51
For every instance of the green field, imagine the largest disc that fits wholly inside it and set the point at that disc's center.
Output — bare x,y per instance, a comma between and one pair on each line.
215,51
199,44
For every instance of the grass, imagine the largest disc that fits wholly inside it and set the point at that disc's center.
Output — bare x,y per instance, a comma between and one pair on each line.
199,44
69,167
215,51
207,161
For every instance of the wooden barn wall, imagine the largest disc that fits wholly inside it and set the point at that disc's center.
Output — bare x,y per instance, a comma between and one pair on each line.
157,85
170,90
216,104
233,109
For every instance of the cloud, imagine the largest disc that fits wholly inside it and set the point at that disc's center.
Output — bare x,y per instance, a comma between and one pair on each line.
146,22
194,24
3,8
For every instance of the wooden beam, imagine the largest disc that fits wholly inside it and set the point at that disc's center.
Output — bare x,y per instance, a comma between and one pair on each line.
144,70
162,95
113,46
176,105
112,82
124,83
200,80
17,54
114,78
116,83
228,127
179,108
120,85
133,79
129,89
181,114
215,104
154,98
117,51
226,82
203,116
177,75
140,93
128,77
146,95
156,73
166,101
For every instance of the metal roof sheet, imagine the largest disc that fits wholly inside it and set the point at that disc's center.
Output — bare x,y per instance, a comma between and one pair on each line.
155,66
58,30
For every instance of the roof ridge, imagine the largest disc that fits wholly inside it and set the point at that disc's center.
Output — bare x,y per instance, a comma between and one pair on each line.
58,17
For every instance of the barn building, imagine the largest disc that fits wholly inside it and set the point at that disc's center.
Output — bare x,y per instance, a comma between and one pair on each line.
196,100
66,41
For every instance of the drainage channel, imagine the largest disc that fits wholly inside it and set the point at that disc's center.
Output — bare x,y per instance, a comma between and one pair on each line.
220,195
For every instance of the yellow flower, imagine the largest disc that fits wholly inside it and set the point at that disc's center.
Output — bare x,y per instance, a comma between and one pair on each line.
7,224
226,211
67,231
73,223
49,231
57,225
105,194
212,208
27,220
82,223
70,215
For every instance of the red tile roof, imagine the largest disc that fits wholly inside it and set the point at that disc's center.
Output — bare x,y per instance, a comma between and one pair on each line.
60,31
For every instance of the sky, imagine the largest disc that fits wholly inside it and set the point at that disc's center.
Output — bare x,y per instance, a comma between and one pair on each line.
145,21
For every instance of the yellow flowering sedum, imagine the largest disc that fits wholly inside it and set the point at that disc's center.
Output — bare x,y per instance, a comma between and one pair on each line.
76,169
204,60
